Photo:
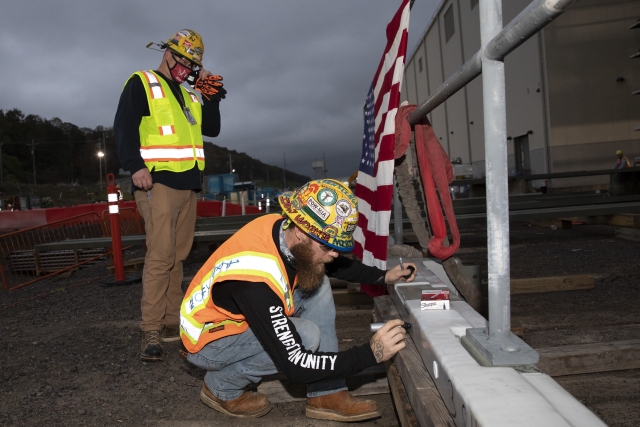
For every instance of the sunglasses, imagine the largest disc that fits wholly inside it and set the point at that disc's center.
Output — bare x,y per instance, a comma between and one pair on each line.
184,61
325,248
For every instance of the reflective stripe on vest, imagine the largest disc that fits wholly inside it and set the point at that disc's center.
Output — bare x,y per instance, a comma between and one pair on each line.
201,320
155,87
167,140
159,153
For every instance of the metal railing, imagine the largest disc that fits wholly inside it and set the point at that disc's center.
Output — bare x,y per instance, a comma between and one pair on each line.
497,344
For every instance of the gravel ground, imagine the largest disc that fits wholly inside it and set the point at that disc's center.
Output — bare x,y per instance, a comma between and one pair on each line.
70,346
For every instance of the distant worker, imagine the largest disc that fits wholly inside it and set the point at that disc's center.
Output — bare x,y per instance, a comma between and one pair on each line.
262,303
622,161
158,129
119,193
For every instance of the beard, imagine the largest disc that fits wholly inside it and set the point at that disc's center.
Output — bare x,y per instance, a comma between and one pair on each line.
310,272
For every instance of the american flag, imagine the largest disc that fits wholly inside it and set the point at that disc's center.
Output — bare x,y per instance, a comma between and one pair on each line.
374,187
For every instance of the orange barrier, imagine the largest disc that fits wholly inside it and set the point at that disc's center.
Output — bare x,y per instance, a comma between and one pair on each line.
21,265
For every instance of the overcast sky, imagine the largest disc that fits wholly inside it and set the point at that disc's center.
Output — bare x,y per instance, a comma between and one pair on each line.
296,71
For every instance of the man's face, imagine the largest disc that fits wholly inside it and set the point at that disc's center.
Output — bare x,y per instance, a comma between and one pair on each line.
620,155
311,257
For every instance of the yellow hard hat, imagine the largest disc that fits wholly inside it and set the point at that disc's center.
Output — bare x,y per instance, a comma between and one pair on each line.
619,152
324,209
187,43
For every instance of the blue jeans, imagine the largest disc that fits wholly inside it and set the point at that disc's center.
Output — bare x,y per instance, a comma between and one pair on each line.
234,362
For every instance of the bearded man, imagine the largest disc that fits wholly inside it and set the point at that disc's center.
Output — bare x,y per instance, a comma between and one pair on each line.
262,303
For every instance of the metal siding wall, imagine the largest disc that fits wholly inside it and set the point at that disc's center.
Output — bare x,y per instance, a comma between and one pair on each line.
434,68
592,115
456,106
409,83
422,81
471,43
524,96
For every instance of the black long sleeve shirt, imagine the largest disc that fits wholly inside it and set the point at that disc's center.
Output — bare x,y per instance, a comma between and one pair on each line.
133,106
264,313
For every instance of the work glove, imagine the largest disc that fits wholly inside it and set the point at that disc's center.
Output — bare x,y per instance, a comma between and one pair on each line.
211,88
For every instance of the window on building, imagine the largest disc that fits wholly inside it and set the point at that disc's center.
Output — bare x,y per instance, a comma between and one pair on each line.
449,28
474,3
419,65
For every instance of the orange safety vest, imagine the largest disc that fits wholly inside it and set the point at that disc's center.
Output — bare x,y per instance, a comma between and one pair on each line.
249,255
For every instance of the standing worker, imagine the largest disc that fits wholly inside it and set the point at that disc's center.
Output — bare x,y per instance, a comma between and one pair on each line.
622,162
158,128
263,302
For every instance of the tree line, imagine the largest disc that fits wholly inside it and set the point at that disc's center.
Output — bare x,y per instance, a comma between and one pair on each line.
61,152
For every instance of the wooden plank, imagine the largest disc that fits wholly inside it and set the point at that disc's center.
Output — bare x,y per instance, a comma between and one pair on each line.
406,415
589,358
425,399
370,381
628,234
562,224
550,284
619,220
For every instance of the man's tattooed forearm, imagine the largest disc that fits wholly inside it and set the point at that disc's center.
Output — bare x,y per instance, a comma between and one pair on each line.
378,350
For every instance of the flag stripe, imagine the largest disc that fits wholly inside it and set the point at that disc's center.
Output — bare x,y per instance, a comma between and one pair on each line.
374,187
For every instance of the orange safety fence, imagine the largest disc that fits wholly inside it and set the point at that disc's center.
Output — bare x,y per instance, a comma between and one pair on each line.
21,264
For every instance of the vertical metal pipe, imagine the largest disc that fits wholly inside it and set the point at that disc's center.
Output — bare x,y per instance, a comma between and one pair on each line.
495,142
33,157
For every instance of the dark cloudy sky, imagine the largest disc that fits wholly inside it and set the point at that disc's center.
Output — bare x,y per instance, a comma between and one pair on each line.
297,71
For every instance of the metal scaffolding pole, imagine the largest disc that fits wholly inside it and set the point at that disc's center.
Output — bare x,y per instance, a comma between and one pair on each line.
497,344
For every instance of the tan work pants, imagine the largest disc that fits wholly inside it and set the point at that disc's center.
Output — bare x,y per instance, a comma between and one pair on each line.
170,219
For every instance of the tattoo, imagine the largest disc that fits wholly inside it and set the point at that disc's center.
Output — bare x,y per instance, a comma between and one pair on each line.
378,350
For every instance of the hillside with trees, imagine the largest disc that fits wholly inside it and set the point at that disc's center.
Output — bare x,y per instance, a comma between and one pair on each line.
63,153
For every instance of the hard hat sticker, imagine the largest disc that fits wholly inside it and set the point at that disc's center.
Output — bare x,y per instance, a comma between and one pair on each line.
327,197
343,207
317,209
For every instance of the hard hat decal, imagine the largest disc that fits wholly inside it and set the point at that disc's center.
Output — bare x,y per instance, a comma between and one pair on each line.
327,196
326,210
311,229
316,209
331,230
343,208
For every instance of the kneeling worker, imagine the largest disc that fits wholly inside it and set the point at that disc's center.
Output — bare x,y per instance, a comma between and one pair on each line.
262,303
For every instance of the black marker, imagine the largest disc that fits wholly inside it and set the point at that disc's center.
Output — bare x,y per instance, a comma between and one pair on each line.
411,268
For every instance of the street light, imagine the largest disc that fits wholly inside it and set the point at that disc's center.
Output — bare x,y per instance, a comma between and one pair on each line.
100,156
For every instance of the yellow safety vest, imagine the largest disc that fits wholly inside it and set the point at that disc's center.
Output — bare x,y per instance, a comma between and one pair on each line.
168,142
249,255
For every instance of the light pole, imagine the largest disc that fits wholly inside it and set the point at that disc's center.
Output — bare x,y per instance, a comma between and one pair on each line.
100,156
33,158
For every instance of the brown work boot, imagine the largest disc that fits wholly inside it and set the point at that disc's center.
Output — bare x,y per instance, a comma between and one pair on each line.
249,405
341,406
170,333
150,348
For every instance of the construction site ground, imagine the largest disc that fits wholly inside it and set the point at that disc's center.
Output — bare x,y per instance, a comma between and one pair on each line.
70,347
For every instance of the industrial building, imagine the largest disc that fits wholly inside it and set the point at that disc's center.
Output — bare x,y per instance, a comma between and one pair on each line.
569,89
